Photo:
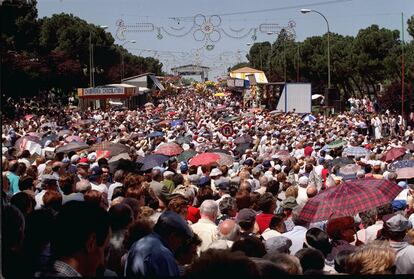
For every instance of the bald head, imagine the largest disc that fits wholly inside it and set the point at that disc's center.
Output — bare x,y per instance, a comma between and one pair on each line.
311,191
229,230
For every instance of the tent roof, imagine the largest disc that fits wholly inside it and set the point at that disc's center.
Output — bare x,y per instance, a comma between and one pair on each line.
246,70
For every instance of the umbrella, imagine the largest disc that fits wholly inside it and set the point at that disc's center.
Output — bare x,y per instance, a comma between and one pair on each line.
20,143
64,132
393,154
336,144
152,161
221,107
165,123
182,139
342,161
225,159
349,198
401,164
186,155
349,171
230,118
51,137
28,116
73,138
243,139
170,109
241,149
410,146
177,122
118,157
355,151
216,150
110,147
204,159
72,146
309,118
219,94
48,124
153,120
405,173
169,149
156,134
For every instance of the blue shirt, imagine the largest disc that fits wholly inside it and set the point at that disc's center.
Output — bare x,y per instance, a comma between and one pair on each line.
14,182
150,257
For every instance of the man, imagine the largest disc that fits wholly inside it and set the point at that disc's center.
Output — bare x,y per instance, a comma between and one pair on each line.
168,182
228,233
97,182
287,206
371,232
246,219
82,169
206,227
118,182
81,235
153,255
49,183
302,196
224,191
263,181
395,229
298,233
267,204
13,178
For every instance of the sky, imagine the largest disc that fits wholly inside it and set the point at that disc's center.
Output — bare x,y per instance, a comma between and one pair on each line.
183,24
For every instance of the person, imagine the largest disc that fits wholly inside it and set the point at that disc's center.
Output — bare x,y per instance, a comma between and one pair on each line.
319,240
278,244
153,255
298,233
206,227
287,206
371,259
118,182
342,233
395,228
251,246
311,260
228,233
13,177
228,209
276,227
246,219
80,238
267,204
214,262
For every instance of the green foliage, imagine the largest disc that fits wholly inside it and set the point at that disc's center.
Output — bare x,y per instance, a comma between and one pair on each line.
53,53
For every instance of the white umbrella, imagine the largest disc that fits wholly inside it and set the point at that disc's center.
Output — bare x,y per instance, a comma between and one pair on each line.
317,96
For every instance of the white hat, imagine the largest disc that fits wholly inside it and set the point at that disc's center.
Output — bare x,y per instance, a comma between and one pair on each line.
92,157
167,173
215,172
278,167
303,180
201,139
186,146
74,159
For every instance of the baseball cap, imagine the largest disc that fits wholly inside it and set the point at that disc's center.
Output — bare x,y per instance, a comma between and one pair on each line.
248,162
215,172
171,221
277,244
289,203
183,167
246,215
204,181
83,162
399,204
396,223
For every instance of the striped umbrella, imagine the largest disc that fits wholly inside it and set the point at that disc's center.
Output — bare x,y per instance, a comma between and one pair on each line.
355,151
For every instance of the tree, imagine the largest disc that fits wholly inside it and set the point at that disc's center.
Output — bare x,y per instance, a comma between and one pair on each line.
410,23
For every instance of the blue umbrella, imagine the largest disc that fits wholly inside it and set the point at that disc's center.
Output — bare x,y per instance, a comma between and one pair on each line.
156,134
177,122
401,164
309,118
152,161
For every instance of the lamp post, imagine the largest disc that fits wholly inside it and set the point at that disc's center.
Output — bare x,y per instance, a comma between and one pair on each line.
91,64
305,11
122,58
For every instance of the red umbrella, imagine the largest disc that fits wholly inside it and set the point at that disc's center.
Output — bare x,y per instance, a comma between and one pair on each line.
204,159
169,149
393,154
349,198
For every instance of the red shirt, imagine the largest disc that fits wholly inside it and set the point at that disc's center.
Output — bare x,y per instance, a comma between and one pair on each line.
308,150
193,214
263,220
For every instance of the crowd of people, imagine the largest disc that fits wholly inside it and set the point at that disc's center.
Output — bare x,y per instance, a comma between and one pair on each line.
89,212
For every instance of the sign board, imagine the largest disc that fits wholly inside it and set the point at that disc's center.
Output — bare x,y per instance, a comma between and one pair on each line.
239,83
227,130
103,91
230,82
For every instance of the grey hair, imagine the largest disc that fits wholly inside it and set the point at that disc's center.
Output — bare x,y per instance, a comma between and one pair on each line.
118,175
209,207
83,186
233,235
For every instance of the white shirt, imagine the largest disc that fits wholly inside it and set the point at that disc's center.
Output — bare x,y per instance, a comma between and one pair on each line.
39,199
111,190
371,231
207,231
302,196
100,188
297,235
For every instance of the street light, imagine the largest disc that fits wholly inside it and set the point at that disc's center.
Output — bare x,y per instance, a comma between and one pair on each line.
91,63
122,58
305,11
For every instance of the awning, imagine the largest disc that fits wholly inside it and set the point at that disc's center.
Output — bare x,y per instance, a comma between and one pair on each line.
157,82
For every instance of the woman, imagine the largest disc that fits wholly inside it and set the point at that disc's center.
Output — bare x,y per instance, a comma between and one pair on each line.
342,233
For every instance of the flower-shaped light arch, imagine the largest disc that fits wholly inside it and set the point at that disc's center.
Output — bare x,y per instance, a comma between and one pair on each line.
206,28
